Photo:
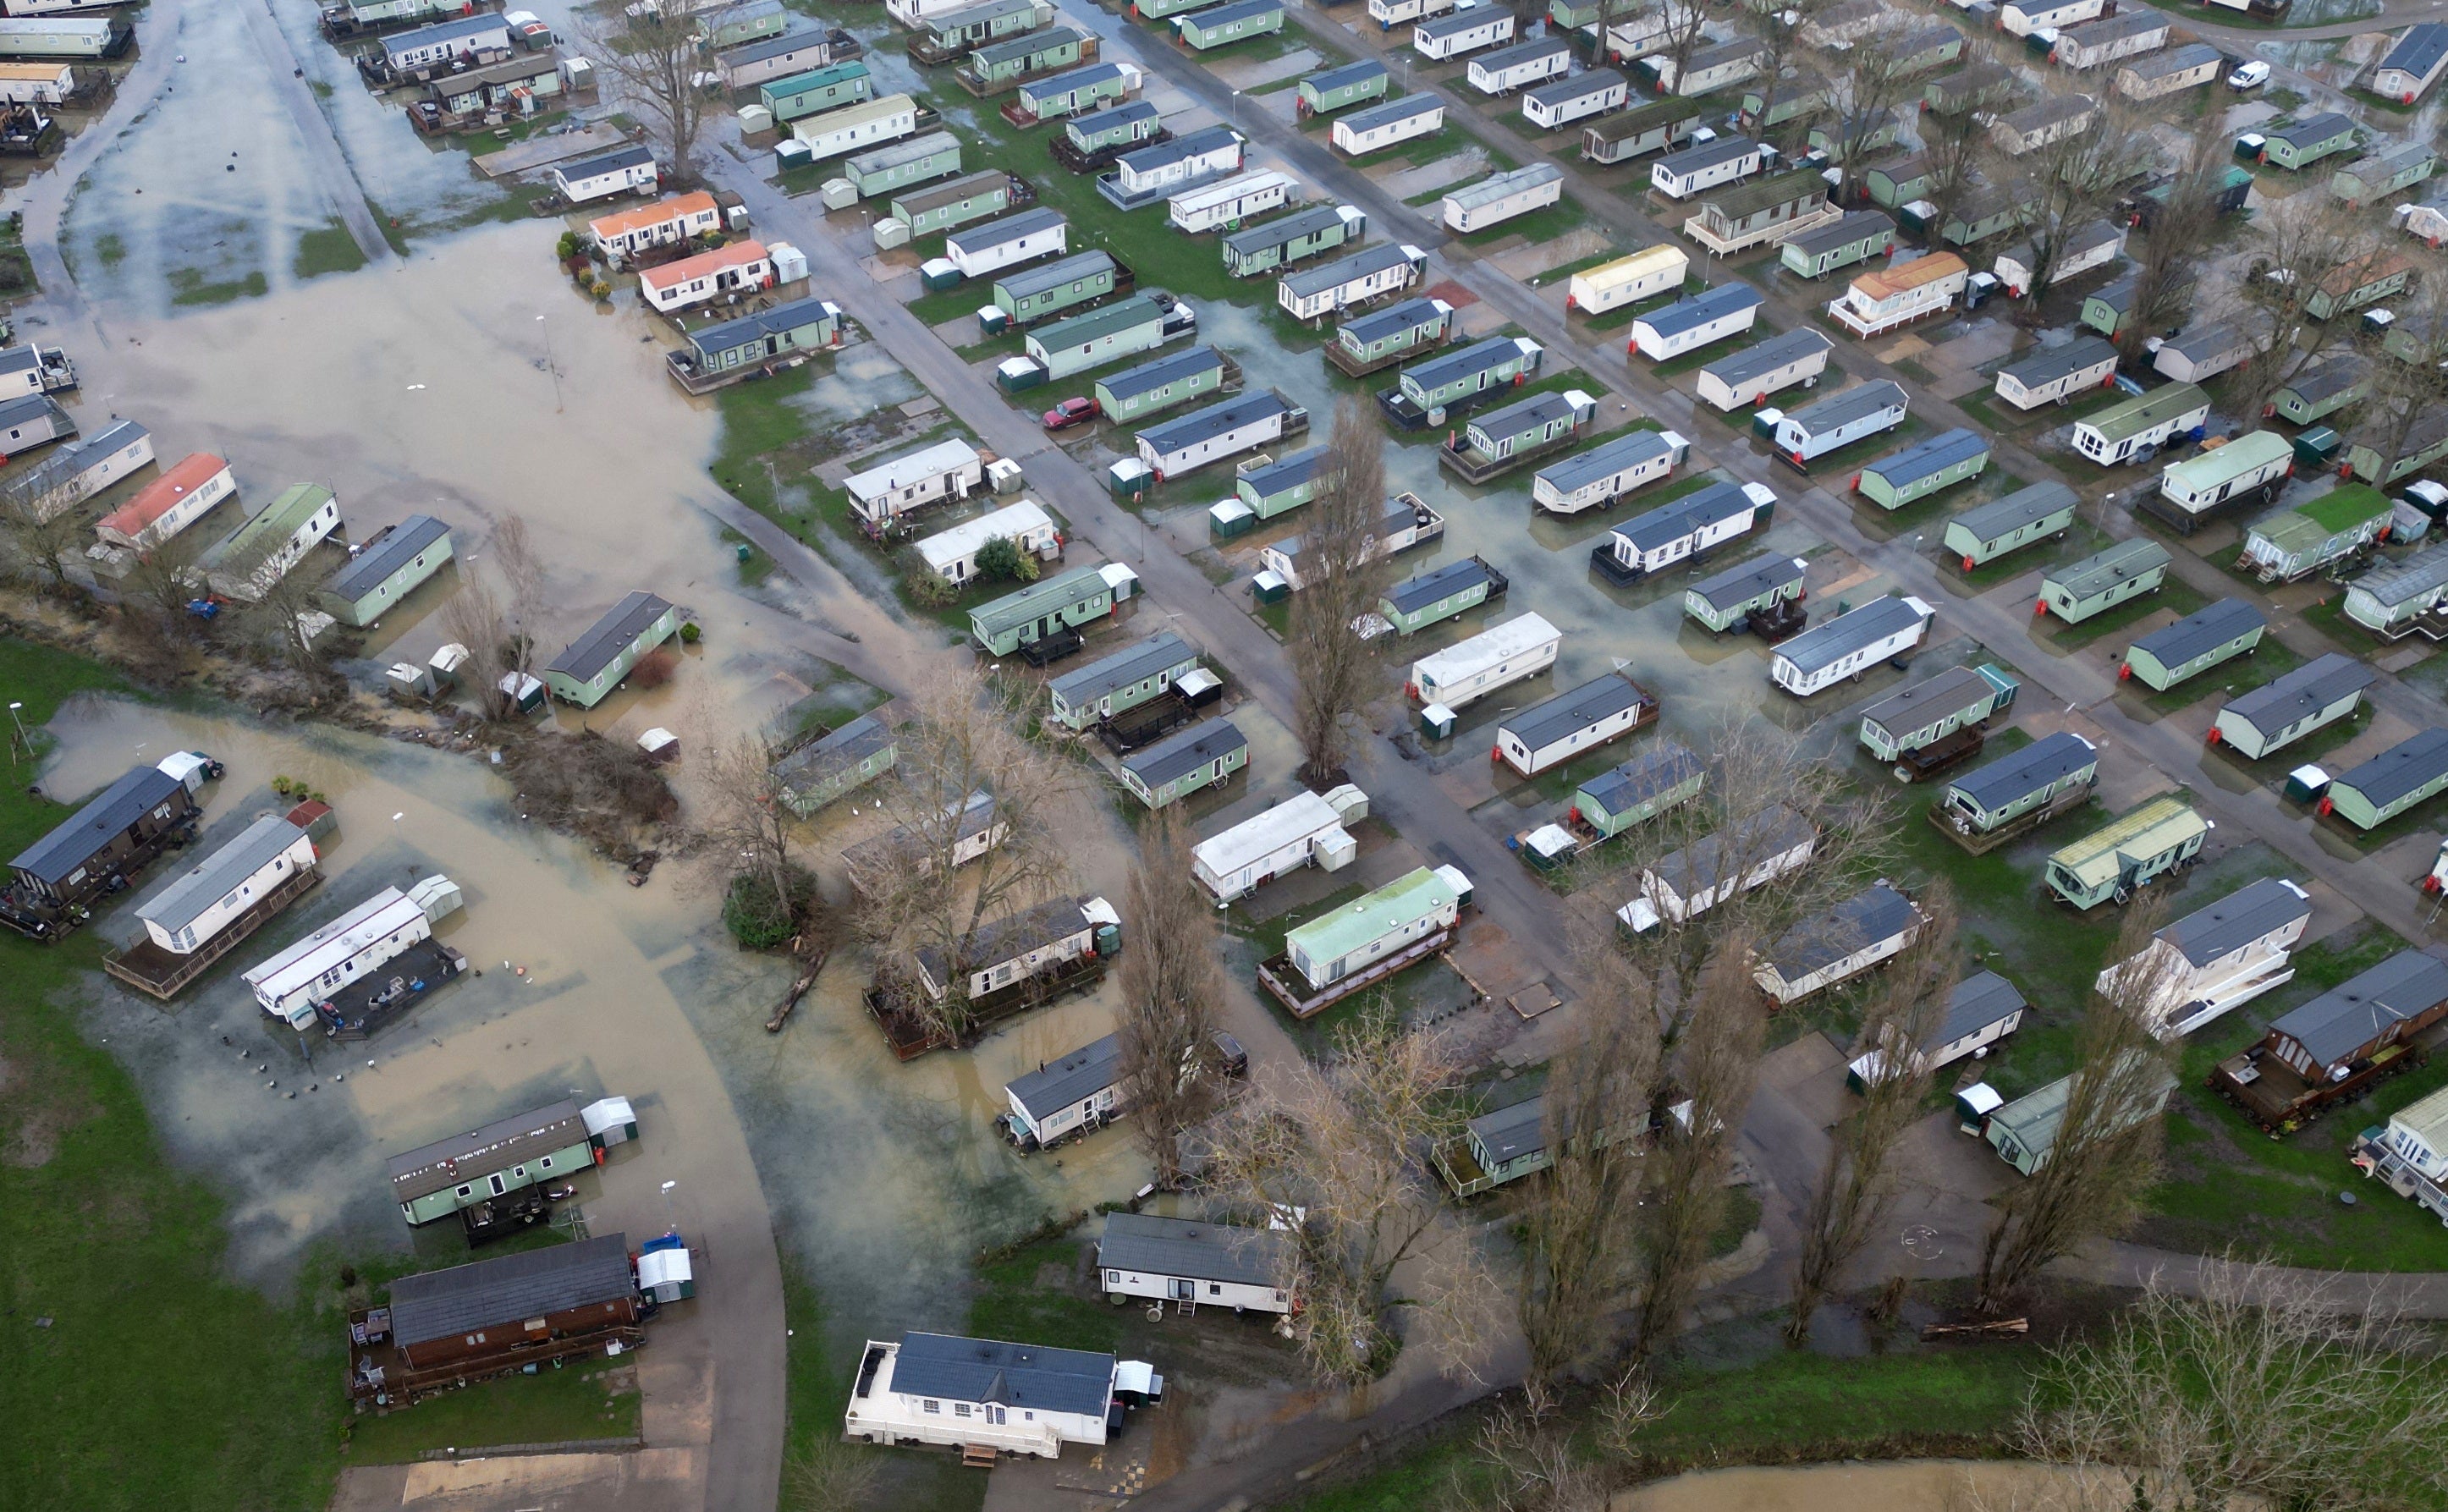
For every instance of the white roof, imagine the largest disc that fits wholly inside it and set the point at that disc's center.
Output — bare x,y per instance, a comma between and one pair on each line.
1115,575
944,456
663,1268
963,540
607,1113
1304,813
1485,650
336,942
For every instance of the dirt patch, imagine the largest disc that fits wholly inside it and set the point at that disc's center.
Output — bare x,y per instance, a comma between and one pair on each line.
1454,294
32,1119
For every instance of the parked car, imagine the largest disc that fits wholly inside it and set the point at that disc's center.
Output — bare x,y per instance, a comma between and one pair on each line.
2252,75
1070,413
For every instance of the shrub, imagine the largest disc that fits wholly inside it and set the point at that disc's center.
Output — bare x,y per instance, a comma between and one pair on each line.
690,634
928,588
759,919
1002,558
654,669
600,290
569,246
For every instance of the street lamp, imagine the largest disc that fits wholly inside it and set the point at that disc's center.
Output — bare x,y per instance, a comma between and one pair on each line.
669,1226
1236,109
20,737
549,365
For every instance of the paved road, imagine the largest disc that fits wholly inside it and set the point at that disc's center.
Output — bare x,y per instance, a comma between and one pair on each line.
332,171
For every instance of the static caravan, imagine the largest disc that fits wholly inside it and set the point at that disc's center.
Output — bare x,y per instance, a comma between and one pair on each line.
47,83
1522,64
1073,93
1885,298
1626,280
954,33
2051,120
1425,393
1924,48
2323,391
277,539
526,1149
2407,774
1893,185
1047,290
384,568
2130,853
666,223
2107,308
218,903
1690,324
1924,468
2423,444
827,89
1301,830
1500,197
1853,133
1372,341
1727,600
2392,601
591,666
1762,210
836,764
725,273
1499,438
2413,62
1646,31
1405,522
952,555
185,494
1219,431
1226,202
1191,1264
1931,710
1450,36
2302,540
2291,706
455,43
2338,1046
1709,70
2021,18
1383,125
1271,488
1836,422
837,133
2043,776
1665,776
1072,1097
1366,941
1340,88
1681,175
2165,73
2195,643
1168,165
84,37
2201,354
31,420
1050,610
977,251
1849,644
1988,532
1982,1009
1107,333
2307,142
1641,131
1204,756
903,1384
1801,93
1597,478
1000,66
288,984
2357,284
1392,13
2135,431
1742,855
1855,237
1121,682
954,202
1752,375
1837,27
2104,580
2054,375
2024,1131
1439,594
1574,723
2247,473
1236,21
1685,530
624,170
1292,238
2110,39
1469,670
1554,106
2093,246
2218,958
1316,293
743,21
1149,386
1837,946
883,496
1089,140
75,473
763,340
1985,211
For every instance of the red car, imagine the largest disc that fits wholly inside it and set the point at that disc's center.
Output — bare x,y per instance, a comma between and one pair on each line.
1070,413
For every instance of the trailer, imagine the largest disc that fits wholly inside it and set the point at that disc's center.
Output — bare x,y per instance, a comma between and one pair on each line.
1315,293
1573,723
2278,714
1462,32
1743,855
1691,529
1554,106
1833,947
1665,776
2336,1048
1728,160
1924,468
2054,375
1379,340
2110,39
2315,396
1834,423
1499,440
1380,126
2022,18
2339,525
1218,25
1710,68
1982,535
2247,473
1501,196
2096,245
2016,793
2407,774
2130,853
1176,447
1439,594
1303,829
2199,353
1884,300
1469,670
1141,175
1627,280
976,251
1641,131
836,133
1748,376
2161,74
2103,579
1849,644
903,164
1291,238
1343,87
1367,941
1225,203
1204,756
1856,235
1520,65
2135,429
1453,383
1692,323
2394,601
1931,712
1764,590
1597,478
2195,643
1044,292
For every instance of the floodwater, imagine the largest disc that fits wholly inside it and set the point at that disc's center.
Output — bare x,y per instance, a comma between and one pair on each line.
1912,1485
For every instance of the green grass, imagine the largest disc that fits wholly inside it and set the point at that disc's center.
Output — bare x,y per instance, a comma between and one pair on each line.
330,249
189,290
758,421
1701,356
2173,594
1029,1297
139,1374
565,1406
2271,659
1539,225
2082,539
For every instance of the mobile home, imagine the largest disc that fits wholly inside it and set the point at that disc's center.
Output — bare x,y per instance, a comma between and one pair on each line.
2050,120
1106,334
2021,18
950,203
1504,196
1849,644
666,223
1855,237
1681,175
728,272
1522,64
2407,774
1752,375
1204,756
1014,1398
2247,473
1426,392
260,552
1929,711
1710,68
1383,125
2024,1132
1048,610
1036,294
1641,131
1193,1264
2299,542
1316,293
2287,708
1219,431
2422,446
1149,388
2220,957
1597,478
1001,66
289,983
1840,420
836,764
886,495
2046,776
1554,106
1090,139
2195,643
2315,396
818,89
1292,238
1463,31
2128,854
1302,830
1884,299
1727,600
1747,854
1990,531
1218,25
1686,530
1690,324
837,133
2110,39
1467,671
1342,87
2394,166
2134,429
383,568
1226,202
1626,280
1439,594
2054,375
2093,247
2164,73
1211,153
1073,93
1372,341
1574,723
1366,941
1833,947
2413,62
1664,776
185,494
1982,1009
75,473
624,170
2104,580
952,555
1762,210
591,666
1924,468
2308,141
2200,353
976,251
2392,601
527,1149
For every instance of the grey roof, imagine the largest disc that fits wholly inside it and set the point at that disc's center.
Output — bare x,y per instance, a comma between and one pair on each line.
211,879
1344,270
1707,155
1603,697
1132,663
1825,644
1777,352
1747,581
1402,108
587,656
497,1146
1076,79
64,464
2346,1017
439,31
1184,1247
1870,917
1478,358
1236,11
25,406
725,334
1389,321
1107,117
2047,112
612,161
2318,129
2202,630
1839,410
1580,85
1284,229
2311,687
974,239
2204,342
1015,935
848,746
1913,44
104,818
1058,1085
1604,461
1150,377
1510,1133
1665,766
2049,364
1531,51
2003,517
1930,701
1687,315
1523,415
2237,920
1288,474
1845,230
1177,756
2419,759
764,47
2418,577
1978,1002
396,548
2114,28
2047,760
1165,154
1029,281
1216,419
1700,865
511,1288
2175,59
1418,593
2418,49
1724,52
1025,46
1692,512
1459,21
1928,458
1497,188
1350,73
1018,1375
2332,377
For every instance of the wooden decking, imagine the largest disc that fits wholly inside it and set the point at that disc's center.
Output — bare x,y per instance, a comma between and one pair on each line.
1278,976
161,973
911,1038
2014,829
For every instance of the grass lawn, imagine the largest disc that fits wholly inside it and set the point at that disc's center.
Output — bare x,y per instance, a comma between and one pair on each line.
2175,594
2080,540
564,1405
331,249
2271,659
1539,225
1029,1297
138,1375
1701,356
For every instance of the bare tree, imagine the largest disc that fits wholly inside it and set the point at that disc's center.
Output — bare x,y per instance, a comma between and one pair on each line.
1781,39
39,527
1955,142
2307,249
2106,1151
1857,1183
828,1475
1173,987
1866,85
1344,1143
2260,1388
746,821
2407,411
472,617
931,888
655,58
2065,186
2181,217
1685,27
155,595
1343,572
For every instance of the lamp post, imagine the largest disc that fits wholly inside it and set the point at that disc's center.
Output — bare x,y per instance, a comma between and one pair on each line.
669,1226
549,365
19,738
